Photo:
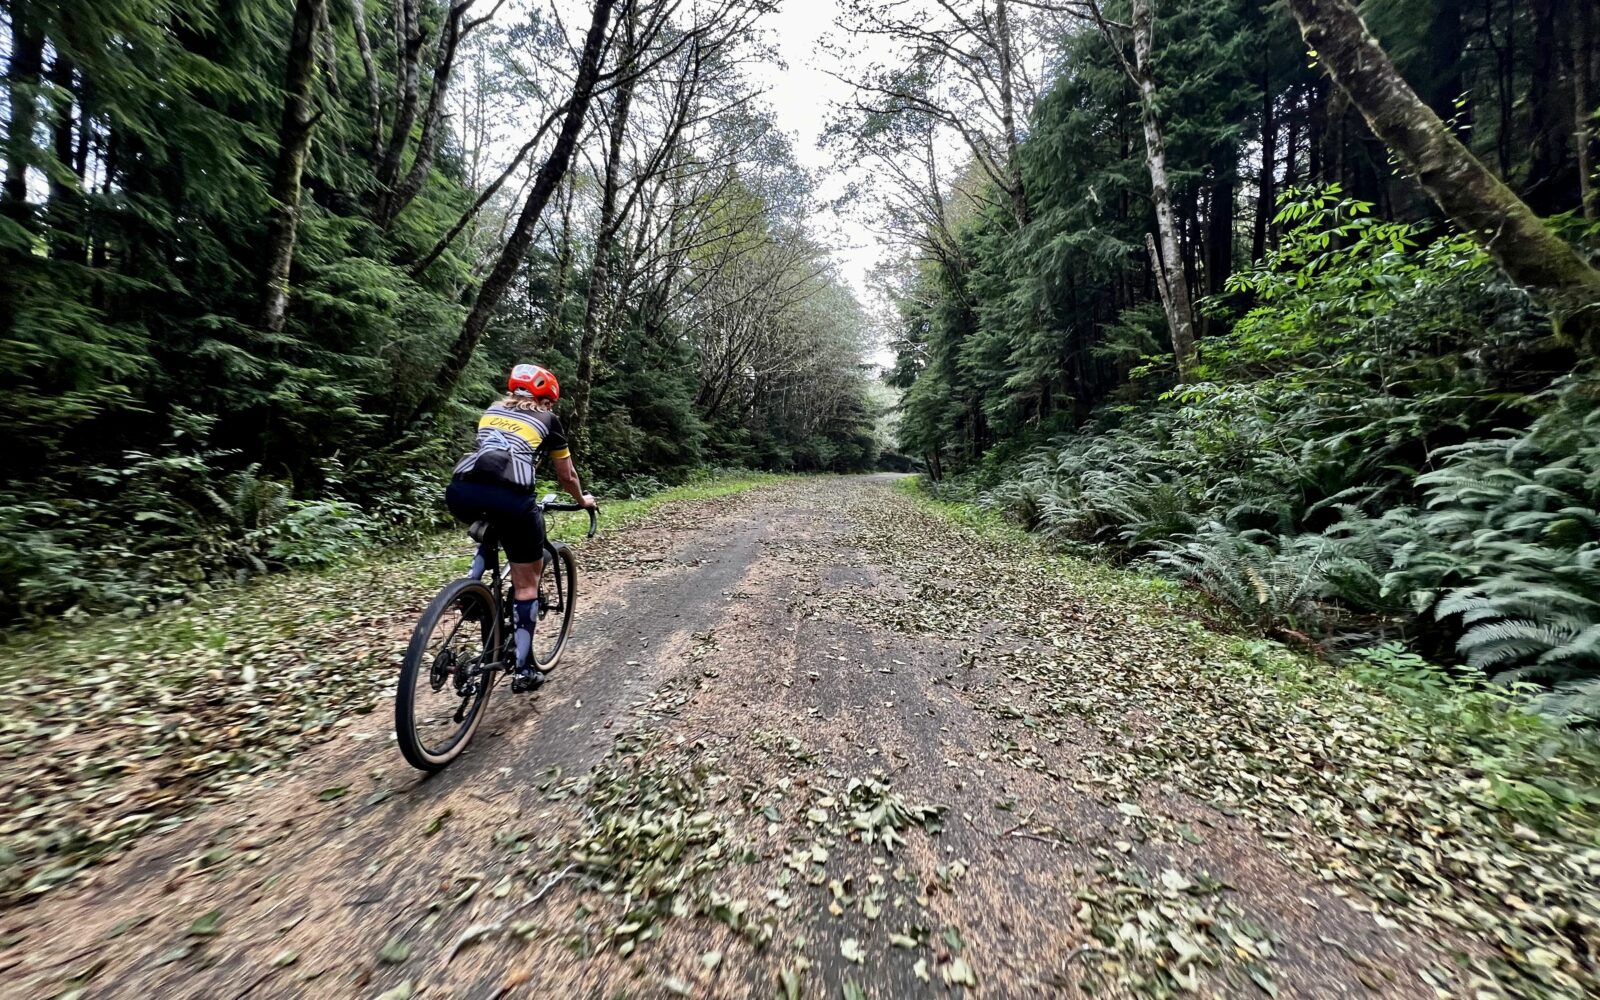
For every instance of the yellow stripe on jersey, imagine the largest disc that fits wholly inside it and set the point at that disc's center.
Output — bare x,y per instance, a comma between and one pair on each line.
561,453
510,425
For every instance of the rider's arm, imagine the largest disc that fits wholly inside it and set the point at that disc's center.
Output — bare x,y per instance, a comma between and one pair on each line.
567,476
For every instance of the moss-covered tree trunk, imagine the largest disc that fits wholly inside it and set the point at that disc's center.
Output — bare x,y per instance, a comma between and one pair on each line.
1474,199
1583,43
294,140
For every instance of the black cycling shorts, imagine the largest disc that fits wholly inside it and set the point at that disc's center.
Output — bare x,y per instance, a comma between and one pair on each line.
515,515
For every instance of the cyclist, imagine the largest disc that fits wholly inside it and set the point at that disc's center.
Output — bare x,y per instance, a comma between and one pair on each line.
495,481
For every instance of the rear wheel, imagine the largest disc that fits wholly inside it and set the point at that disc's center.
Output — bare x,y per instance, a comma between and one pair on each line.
558,595
447,676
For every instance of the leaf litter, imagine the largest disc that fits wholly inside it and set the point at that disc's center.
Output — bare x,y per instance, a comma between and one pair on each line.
1388,806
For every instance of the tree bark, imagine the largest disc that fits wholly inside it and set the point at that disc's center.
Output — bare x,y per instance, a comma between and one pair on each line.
1170,277
1467,192
294,141
558,296
65,212
544,184
1219,224
1583,103
408,47
1547,159
358,16
395,201
1008,116
600,264
1267,195
27,62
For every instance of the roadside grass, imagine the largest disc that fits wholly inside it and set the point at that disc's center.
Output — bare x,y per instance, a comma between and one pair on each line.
111,727
1138,590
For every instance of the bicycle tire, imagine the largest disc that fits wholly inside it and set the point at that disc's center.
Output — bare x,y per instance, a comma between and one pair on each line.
412,745
560,561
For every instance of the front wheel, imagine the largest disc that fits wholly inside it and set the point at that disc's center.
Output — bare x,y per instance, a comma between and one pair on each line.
448,672
558,596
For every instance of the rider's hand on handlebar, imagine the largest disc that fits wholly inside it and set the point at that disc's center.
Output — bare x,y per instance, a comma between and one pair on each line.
588,502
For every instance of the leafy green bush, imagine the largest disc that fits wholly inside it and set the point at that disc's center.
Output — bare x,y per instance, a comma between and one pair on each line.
157,527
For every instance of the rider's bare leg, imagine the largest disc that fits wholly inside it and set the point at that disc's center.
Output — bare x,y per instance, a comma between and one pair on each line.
525,579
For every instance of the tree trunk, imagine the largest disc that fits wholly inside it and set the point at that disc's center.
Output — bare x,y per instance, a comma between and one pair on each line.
1547,154
432,118
558,297
544,184
1219,224
27,62
1008,117
1337,135
1267,195
1583,42
65,211
370,69
1464,188
1505,83
408,47
605,237
1170,278
294,141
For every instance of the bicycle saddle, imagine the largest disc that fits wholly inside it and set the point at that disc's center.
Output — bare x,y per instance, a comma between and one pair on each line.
482,532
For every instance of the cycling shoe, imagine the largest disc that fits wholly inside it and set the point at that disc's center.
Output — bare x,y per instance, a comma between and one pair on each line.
527,679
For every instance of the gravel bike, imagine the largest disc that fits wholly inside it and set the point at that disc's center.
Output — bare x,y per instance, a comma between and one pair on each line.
465,641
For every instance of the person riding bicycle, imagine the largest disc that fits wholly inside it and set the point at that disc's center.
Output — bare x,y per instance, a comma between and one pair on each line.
495,481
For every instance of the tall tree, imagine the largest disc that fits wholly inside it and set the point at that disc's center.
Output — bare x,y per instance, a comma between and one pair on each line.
1477,201
294,139
1172,282
521,236
964,65
598,291
22,77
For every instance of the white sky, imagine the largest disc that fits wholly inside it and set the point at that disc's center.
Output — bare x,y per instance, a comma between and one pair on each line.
802,94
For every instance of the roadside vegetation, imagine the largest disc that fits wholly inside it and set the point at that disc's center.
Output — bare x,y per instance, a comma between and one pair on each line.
263,263
1206,313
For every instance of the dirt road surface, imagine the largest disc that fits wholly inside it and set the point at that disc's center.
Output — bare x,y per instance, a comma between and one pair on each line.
809,742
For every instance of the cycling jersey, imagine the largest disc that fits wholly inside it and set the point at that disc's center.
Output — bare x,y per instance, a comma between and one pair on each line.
509,445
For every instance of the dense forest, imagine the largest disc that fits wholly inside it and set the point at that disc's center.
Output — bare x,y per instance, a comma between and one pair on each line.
1202,290
265,260
1301,315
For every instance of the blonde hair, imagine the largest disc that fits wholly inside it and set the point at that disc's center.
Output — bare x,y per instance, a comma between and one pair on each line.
527,404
